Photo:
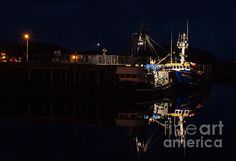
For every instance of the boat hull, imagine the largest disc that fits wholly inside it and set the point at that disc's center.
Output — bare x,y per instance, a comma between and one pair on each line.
140,92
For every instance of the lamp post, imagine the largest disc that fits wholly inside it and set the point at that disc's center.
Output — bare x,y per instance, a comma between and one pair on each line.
27,36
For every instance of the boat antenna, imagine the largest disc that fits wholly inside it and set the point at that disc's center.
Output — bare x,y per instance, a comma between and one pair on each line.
171,48
187,30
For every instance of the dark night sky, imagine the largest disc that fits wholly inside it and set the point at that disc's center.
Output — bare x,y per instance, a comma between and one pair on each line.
86,22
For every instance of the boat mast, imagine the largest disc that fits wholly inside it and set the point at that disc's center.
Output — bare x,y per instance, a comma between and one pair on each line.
171,49
187,30
182,44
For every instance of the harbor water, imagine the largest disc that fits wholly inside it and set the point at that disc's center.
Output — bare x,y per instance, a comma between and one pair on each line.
86,129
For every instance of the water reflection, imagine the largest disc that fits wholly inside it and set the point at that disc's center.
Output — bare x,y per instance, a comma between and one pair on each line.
119,123
149,123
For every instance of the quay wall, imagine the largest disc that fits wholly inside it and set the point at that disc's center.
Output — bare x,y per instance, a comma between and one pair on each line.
71,90
79,91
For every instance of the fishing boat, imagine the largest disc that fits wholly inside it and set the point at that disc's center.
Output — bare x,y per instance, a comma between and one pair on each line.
144,81
187,73
152,76
143,77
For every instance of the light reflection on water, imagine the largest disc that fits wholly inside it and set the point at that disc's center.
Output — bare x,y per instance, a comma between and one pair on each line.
128,133
166,118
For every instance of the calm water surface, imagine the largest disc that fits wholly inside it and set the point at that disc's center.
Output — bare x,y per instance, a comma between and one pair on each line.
41,138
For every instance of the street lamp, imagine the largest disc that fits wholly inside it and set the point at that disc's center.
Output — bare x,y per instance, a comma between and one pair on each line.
27,37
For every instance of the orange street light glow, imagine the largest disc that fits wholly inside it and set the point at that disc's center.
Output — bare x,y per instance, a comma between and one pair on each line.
26,36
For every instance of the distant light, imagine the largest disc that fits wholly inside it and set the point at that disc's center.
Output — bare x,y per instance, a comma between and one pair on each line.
98,44
73,57
152,62
26,36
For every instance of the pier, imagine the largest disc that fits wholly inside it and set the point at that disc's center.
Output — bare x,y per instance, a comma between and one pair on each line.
67,90
57,90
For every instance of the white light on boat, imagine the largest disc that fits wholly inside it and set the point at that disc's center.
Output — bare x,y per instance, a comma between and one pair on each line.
140,43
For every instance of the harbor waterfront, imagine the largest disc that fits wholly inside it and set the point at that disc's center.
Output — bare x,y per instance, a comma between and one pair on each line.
102,80
58,82
77,106
131,107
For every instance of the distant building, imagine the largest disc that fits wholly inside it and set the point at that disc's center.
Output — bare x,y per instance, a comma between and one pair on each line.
57,56
74,58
